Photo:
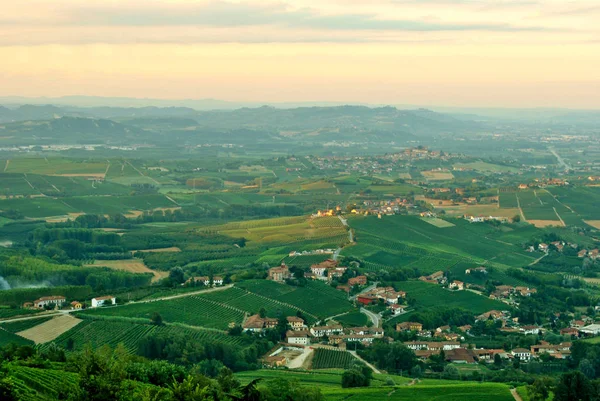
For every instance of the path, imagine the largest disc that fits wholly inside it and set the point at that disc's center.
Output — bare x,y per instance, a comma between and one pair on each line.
515,394
298,361
558,215
520,210
537,260
336,254
6,165
142,174
375,370
374,317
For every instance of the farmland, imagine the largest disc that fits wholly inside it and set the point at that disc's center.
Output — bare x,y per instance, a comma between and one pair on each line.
191,310
326,359
130,265
50,330
430,295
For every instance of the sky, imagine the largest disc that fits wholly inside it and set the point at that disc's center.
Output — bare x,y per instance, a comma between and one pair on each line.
488,53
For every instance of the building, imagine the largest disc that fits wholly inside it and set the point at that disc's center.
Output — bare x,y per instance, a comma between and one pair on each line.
590,330
76,305
457,285
205,280
396,309
103,301
57,300
522,353
479,269
255,323
531,330
321,331
409,326
296,323
432,345
358,280
366,299
297,337
279,273
363,331
275,361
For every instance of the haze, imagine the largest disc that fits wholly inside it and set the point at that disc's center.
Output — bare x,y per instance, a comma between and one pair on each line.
492,53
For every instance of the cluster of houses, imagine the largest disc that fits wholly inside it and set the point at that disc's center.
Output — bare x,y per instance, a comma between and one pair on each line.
440,278
205,281
456,352
59,301
313,252
506,293
558,245
325,271
483,219
592,254
300,334
388,295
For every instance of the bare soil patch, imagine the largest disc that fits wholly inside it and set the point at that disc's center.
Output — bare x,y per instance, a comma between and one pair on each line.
593,223
545,223
51,329
171,249
130,265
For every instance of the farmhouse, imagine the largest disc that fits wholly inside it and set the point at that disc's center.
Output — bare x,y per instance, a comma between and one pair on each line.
76,305
255,323
457,285
275,361
279,273
297,337
432,345
320,331
101,301
375,331
366,299
461,355
409,326
358,280
522,353
296,323
42,302
479,269
205,280
396,309
437,277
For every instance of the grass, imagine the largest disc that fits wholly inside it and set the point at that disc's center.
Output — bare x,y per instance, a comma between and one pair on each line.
353,319
487,167
7,337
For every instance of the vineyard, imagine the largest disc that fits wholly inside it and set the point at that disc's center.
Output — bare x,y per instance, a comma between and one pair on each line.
45,382
21,325
328,359
315,298
193,310
7,337
113,332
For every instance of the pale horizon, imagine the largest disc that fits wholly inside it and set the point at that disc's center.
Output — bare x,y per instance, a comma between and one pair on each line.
463,53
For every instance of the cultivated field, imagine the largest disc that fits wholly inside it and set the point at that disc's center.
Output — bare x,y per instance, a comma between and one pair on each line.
437,175
327,358
51,329
437,222
130,265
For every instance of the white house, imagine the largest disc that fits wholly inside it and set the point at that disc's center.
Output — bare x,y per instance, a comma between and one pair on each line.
57,300
396,309
522,353
530,330
590,330
320,331
457,285
297,337
102,301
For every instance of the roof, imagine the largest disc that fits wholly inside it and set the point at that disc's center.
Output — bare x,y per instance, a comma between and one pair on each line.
291,333
104,298
295,319
51,298
521,351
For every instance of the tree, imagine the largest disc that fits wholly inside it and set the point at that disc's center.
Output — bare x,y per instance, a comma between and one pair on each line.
497,360
353,378
516,218
156,319
451,372
587,368
540,389
176,275
262,313
573,386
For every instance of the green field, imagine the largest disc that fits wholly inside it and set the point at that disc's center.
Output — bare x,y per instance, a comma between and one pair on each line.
328,359
191,310
353,319
431,295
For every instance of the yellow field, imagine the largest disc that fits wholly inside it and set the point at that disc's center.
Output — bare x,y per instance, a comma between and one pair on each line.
48,331
480,210
171,249
437,222
437,175
593,223
69,216
130,265
545,223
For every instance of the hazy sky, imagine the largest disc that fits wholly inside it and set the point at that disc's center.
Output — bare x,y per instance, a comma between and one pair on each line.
430,52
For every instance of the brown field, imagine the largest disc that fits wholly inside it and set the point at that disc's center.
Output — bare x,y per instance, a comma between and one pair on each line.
437,175
479,210
593,223
71,216
91,175
171,249
51,329
545,223
130,265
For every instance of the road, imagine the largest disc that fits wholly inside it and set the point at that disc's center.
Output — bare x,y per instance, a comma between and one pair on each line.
560,160
336,254
515,395
62,312
365,362
298,361
366,289
374,317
